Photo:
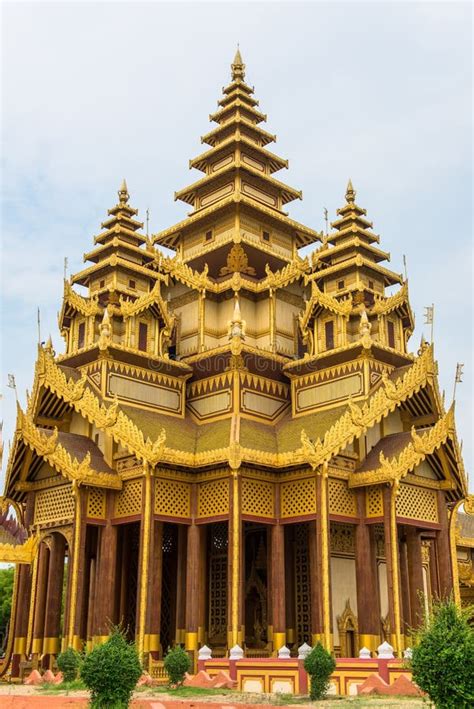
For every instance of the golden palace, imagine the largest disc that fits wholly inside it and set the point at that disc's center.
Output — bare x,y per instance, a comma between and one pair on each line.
236,445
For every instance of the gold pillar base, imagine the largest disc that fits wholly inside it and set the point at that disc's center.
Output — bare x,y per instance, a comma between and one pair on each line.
290,635
151,642
99,639
279,640
321,638
191,640
270,633
371,642
37,646
180,635
19,646
50,646
77,643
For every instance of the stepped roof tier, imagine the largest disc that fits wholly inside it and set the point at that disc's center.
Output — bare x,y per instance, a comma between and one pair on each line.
238,199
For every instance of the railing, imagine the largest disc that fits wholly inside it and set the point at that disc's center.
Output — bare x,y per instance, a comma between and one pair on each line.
156,670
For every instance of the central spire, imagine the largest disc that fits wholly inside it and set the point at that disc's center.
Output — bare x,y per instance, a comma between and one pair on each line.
238,67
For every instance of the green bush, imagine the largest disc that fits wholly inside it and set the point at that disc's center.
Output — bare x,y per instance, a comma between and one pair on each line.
177,663
320,665
111,671
443,657
69,662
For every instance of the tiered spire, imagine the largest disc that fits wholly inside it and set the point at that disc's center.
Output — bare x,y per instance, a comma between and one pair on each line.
238,170
353,261
119,248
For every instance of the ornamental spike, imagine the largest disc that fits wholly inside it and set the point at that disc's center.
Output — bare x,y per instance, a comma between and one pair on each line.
350,193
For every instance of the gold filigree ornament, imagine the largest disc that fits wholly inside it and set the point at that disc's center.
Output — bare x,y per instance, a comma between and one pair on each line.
20,553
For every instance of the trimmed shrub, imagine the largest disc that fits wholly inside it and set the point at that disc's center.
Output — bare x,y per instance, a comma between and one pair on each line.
69,663
177,663
111,671
443,656
320,665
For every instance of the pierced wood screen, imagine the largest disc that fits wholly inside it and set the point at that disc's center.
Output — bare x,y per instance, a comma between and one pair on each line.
374,501
96,504
302,585
417,503
298,497
257,498
213,498
129,500
342,537
172,498
218,583
342,501
54,505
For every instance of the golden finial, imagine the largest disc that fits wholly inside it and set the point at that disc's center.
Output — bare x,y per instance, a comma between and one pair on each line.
350,193
238,66
123,193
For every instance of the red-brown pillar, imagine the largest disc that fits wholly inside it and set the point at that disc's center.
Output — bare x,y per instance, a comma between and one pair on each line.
40,605
443,549
278,586
181,584
21,621
52,623
91,600
368,602
193,590
153,626
236,565
105,592
415,573
290,599
316,596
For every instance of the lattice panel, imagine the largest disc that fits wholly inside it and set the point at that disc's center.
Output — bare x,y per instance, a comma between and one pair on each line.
172,498
374,501
96,504
213,498
129,499
54,505
218,583
302,584
342,538
257,498
417,503
342,501
298,497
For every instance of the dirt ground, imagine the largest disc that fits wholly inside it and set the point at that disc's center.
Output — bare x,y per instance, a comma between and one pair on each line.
24,697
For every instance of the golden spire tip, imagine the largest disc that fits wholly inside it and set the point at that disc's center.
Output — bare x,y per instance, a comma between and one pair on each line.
350,192
123,192
238,66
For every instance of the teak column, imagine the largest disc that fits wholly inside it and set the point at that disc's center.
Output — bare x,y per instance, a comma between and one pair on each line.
443,549
53,601
105,575
415,574
278,586
145,560
368,604
153,626
193,590
40,605
392,560
21,621
181,572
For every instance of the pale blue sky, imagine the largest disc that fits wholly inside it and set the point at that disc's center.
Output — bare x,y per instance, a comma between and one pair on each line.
380,92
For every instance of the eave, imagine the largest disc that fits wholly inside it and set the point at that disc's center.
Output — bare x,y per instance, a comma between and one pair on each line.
213,135
112,262
189,194
237,105
274,161
390,277
169,237
117,243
